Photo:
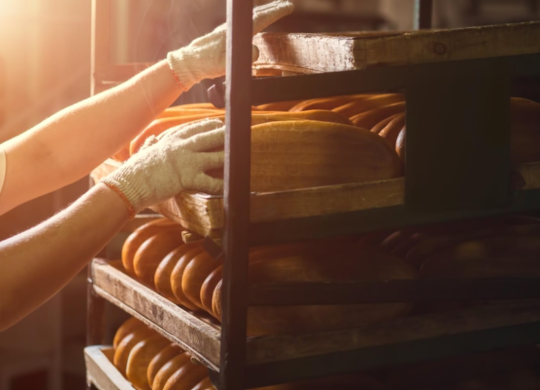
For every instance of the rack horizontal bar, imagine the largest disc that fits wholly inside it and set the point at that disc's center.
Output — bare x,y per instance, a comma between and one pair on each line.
364,221
328,293
312,86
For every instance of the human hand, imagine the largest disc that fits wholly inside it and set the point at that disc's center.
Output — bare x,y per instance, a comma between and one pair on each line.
174,161
204,58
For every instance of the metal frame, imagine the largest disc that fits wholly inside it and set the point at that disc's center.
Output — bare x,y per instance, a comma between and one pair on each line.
241,92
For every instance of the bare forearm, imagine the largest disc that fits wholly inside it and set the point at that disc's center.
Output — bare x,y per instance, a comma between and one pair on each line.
36,264
68,145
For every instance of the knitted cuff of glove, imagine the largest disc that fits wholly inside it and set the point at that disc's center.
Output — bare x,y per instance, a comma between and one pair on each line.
176,64
131,210
3,168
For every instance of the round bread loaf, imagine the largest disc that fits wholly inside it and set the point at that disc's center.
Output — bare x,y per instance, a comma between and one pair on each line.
177,275
343,262
126,328
162,277
139,360
186,377
168,369
152,252
165,355
121,353
140,235
195,273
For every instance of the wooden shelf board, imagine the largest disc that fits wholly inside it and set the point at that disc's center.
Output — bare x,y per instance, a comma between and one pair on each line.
318,53
101,372
190,332
400,334
203,214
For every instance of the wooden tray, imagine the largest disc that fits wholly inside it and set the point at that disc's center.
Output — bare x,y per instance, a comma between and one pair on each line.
317,53
203,214
101,372
398,336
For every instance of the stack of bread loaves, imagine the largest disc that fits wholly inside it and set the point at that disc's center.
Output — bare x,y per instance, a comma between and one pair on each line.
188,276
151,362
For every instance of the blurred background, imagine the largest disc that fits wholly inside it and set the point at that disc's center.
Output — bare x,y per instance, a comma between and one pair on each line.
45,66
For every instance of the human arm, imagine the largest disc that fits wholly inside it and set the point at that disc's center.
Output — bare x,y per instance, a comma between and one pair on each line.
36,264
67,146
71,143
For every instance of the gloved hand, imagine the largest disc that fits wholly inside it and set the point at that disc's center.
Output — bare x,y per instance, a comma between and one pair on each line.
204,58
169,164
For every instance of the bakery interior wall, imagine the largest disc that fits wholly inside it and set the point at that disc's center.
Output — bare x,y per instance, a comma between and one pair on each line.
45,66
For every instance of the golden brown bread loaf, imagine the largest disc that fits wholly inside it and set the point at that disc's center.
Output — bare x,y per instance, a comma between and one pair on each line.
327,103
367,120
382,124
162,278
392,129
168,369
139,360
313,115
279,106
126,328
300,154
177,275
153,250
186,377
121,353
208,287
343,261
194,275
158,361
140,235
360,106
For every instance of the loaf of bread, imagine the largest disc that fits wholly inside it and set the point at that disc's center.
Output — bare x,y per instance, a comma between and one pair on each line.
327,103
162,277
153,250
391,131
126,328
367,120
158,361
140,235
139,359
348,262
169,369
178,273
299,154
279,106
313,115
359,106
195,274
121,353
186,377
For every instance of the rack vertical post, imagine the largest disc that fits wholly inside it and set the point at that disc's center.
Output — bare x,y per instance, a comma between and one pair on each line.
236,194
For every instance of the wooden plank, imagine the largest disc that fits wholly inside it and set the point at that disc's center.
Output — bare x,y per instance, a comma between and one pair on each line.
203,213
406,329
101,372
317,53
190,332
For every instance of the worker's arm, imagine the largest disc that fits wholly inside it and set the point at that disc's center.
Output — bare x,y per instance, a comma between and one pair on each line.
36,264
71,143
67,146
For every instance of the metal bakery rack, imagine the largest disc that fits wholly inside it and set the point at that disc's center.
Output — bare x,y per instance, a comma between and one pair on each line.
456,172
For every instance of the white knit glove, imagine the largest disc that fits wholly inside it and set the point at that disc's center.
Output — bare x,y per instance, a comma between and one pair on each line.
204,58
173,162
